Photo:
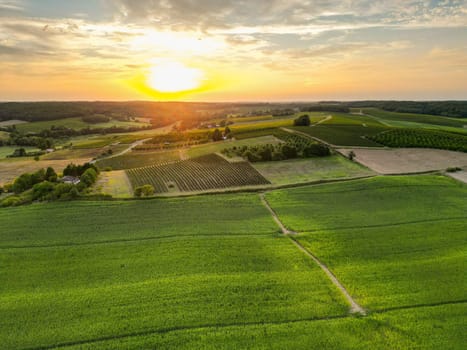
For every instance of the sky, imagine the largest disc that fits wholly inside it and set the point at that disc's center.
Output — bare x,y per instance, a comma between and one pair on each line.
233,50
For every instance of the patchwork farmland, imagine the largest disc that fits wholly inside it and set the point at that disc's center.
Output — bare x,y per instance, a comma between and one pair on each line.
311,246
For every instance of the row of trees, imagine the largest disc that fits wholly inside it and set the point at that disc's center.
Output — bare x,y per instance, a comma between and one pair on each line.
282,151
457,109
17,139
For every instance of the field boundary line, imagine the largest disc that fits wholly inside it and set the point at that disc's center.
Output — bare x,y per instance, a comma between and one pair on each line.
355,308
183,328
387,225
416,306
217,326
142,239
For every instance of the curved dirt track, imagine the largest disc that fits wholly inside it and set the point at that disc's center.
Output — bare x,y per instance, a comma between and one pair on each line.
354,306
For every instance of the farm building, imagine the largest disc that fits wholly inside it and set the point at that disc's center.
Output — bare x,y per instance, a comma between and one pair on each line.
70,180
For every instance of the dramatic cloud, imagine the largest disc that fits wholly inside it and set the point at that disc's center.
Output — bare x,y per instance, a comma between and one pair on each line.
242,46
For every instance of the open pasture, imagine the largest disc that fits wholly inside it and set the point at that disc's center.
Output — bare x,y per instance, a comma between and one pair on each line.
209,172
411,249
296,171
407,160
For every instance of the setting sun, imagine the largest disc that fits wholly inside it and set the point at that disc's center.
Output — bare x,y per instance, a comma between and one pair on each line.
174,77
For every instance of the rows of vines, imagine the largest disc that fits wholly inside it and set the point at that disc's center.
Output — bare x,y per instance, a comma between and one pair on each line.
197,174
422,139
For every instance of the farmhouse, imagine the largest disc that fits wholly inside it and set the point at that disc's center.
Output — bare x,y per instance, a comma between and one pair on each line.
70,180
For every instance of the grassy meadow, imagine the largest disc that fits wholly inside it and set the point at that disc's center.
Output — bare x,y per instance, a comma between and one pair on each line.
295,171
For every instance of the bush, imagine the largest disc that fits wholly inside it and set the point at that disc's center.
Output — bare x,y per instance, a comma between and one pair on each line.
453,169
11,201
303,120
89,177
144,191
317,149
42,191
289,152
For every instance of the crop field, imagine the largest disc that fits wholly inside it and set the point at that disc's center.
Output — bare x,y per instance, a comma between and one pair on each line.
437,327
171,272
198,174
414,118
345,129
213,272
407,160
74,123
11,122
138,159
5,151
409,252
309,170
215,147
243,131
114,183
421,139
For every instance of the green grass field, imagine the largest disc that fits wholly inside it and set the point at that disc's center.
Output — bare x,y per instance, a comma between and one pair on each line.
345,130
114,183
5,151
311,169
433,120
393,242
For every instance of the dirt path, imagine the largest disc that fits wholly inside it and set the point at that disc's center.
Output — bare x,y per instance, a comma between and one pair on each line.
279,223
322,121
126,150
354,306
183,154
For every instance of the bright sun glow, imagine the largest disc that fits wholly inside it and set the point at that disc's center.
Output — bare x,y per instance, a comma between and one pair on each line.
174,77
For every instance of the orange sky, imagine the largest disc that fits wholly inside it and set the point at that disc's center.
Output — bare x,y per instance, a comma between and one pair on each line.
233,51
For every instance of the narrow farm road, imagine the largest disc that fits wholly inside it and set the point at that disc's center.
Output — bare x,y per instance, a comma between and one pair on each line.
279,223
321,121
354,306
126,150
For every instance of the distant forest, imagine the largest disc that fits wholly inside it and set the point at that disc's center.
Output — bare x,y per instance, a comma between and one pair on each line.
191,113
456,109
